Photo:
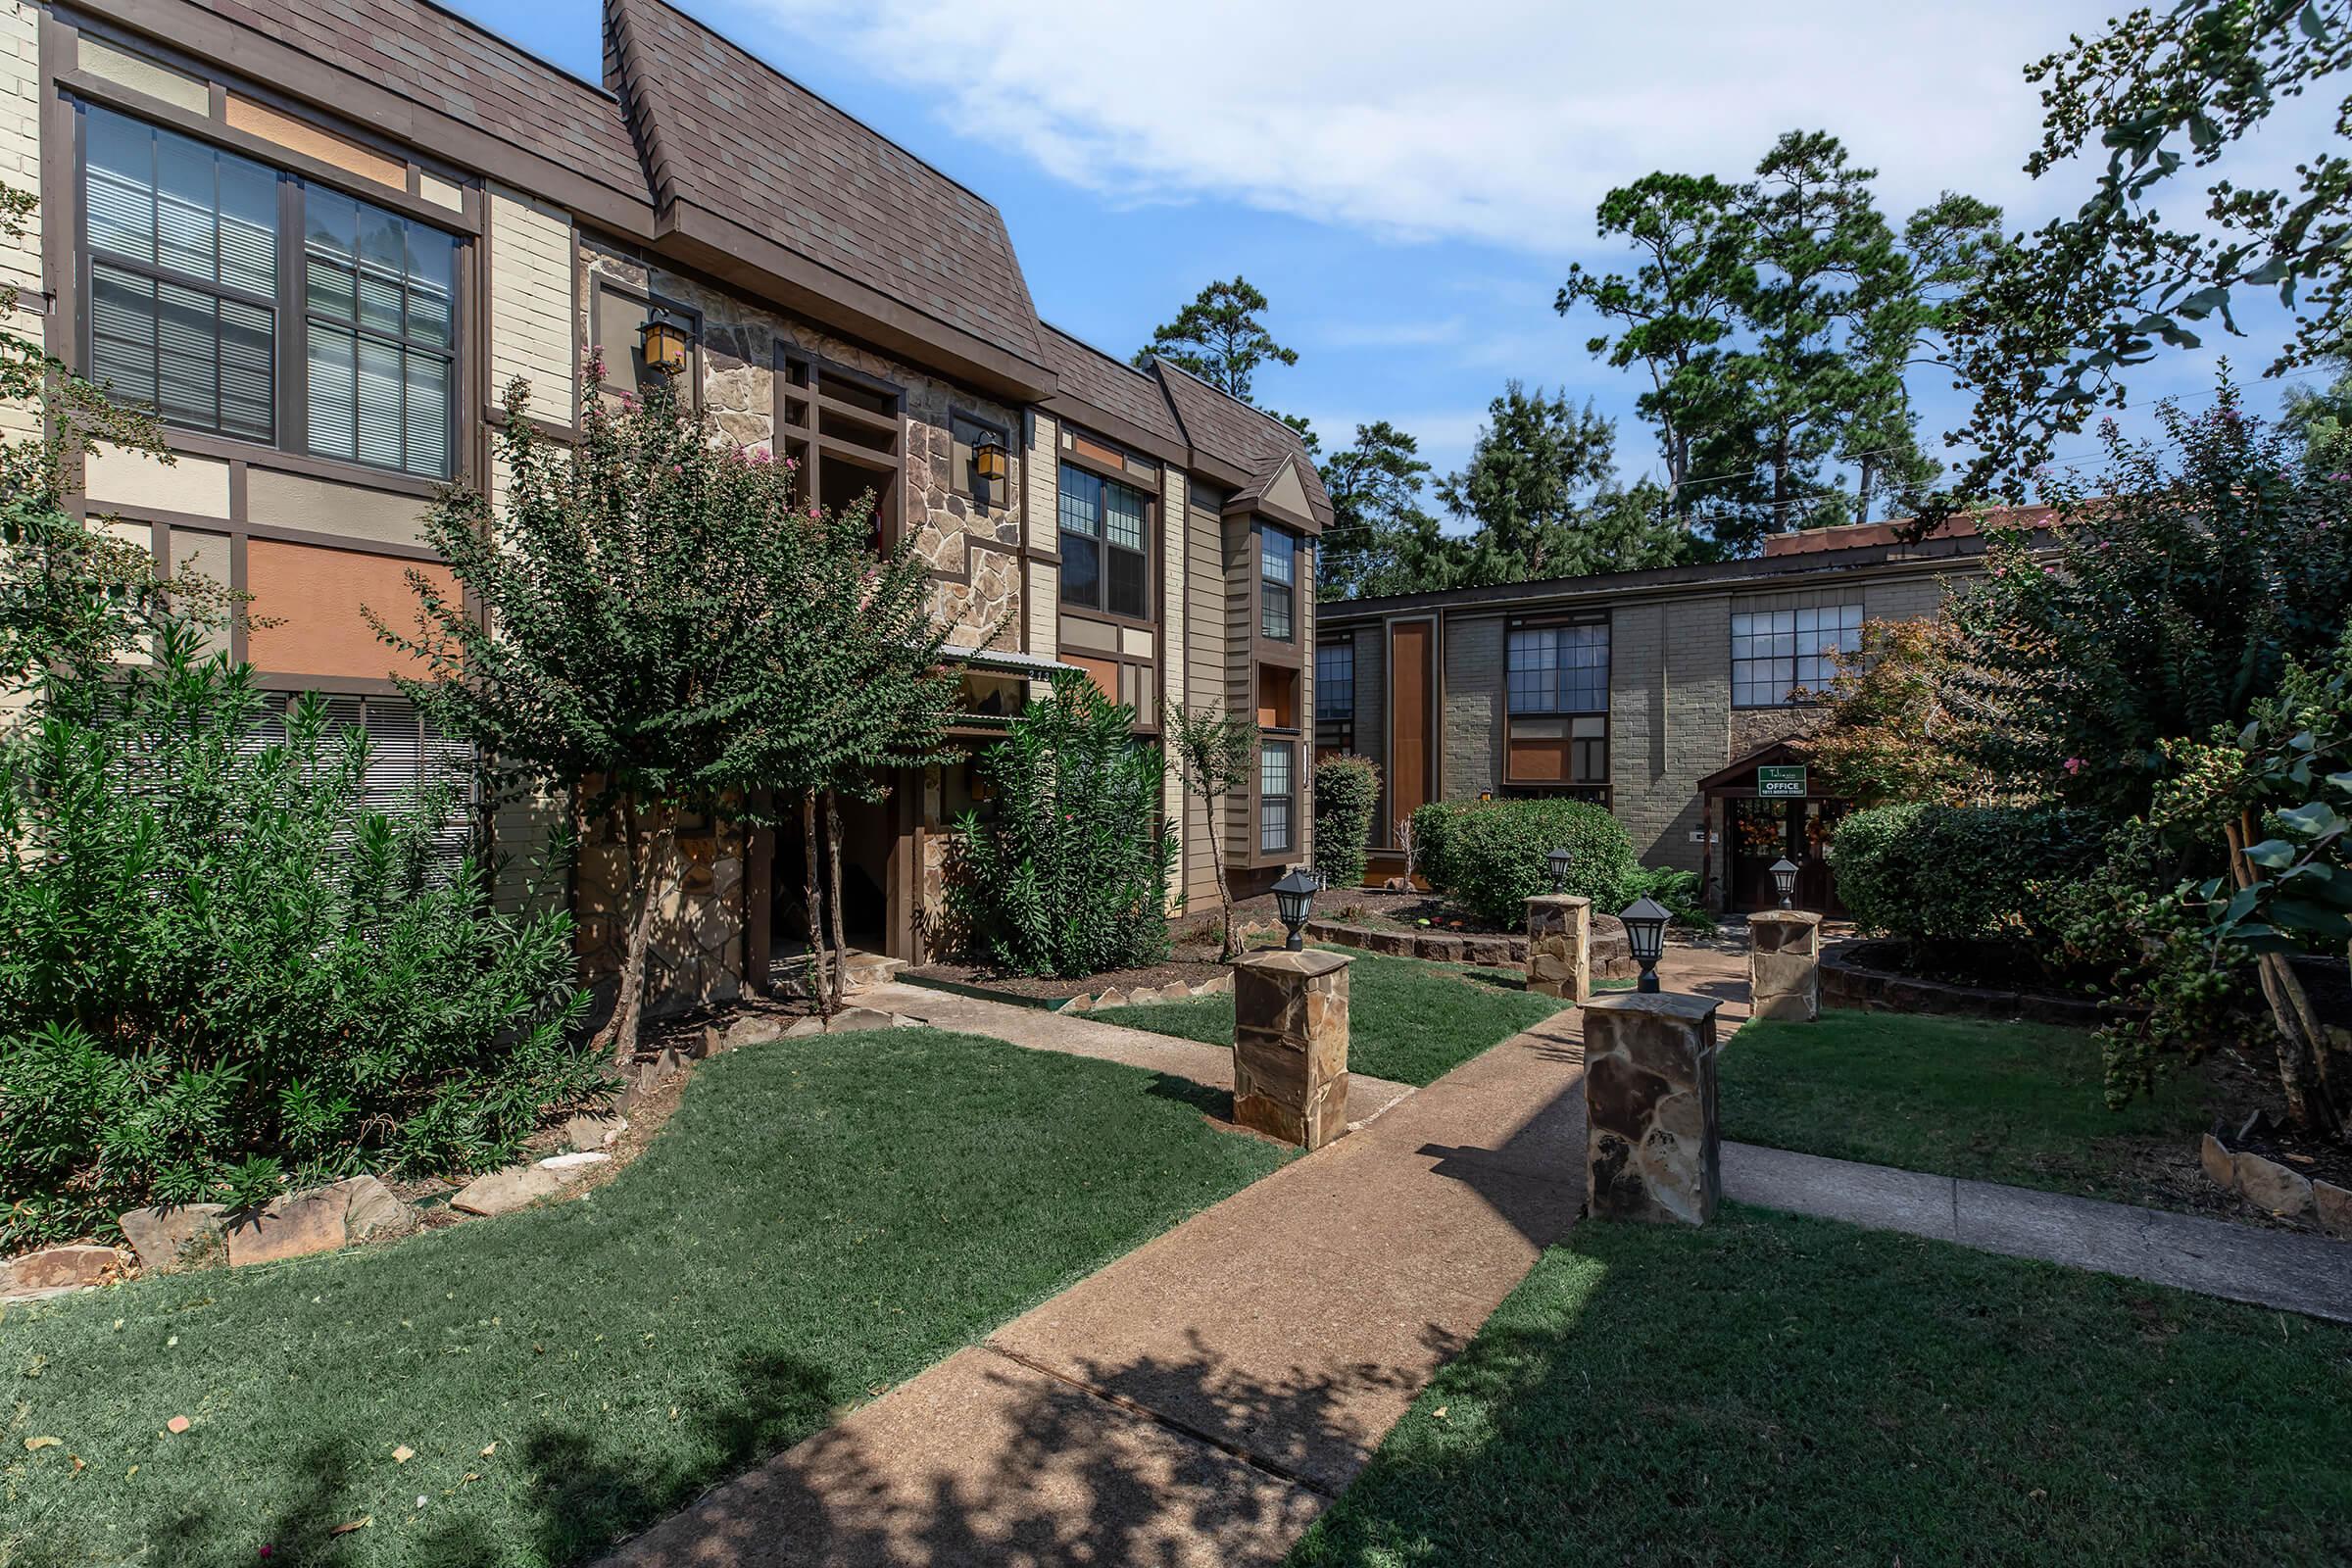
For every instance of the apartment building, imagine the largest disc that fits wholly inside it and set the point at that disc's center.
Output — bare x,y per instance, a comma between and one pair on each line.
1677,698
320,239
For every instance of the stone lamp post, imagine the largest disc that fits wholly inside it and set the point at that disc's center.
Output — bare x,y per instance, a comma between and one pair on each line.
1560,945
1289,1045
1652,1150
1784,965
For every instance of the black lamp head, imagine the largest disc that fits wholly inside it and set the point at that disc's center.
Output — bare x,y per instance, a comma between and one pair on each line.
1645,933
1294,897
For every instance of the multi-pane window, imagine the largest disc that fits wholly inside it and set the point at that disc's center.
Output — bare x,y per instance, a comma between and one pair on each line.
1559,669
1277,583
1103,562
379,313
1776,652
1276,792
183,277
1335,679
189,252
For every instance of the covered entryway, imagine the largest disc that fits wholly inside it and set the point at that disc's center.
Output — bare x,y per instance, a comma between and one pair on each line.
1760,808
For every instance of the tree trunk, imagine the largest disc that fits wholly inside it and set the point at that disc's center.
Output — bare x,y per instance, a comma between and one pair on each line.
818,987
1229,946
2303,1068
1862,484
841,945
648,857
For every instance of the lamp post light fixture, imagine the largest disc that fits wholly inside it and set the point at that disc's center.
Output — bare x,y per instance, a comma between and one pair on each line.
1645,932
664,339
1294,899
1559,859
1783,878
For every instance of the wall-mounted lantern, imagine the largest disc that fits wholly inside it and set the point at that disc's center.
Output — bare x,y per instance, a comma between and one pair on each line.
664,341
990,459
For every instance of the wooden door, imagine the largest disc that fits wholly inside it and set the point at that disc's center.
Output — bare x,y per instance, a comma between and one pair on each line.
1412,780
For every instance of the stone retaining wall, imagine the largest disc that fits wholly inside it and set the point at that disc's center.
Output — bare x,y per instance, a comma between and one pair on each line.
1849,980
1612,958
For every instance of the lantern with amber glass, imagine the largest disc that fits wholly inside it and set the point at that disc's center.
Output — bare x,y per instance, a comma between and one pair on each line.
664,341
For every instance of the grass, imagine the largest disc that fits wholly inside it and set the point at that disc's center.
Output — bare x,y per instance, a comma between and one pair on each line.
820,1220
2014,1103
1409,1022
1776,1389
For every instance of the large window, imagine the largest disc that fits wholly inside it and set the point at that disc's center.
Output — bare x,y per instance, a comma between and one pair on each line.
1777,652
1277,583
182,247
381,317
187,247
1559,669
1277,790
1104,561
844,432
1335,679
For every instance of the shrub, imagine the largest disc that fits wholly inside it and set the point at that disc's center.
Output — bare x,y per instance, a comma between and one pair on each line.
1347,794
1927,872
1069,876
1490,857
226,973
1678,891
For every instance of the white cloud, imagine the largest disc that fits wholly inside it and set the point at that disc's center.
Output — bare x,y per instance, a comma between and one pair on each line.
1496,120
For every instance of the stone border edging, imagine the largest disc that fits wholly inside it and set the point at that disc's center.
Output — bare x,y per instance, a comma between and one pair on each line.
2276,1190
1084,1002
1847,982
1433,947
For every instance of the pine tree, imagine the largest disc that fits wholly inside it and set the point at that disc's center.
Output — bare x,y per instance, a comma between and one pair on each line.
1219,338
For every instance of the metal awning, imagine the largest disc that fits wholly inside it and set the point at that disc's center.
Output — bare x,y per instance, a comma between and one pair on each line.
1005,659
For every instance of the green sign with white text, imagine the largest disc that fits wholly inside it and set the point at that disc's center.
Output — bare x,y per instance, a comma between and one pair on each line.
1782,783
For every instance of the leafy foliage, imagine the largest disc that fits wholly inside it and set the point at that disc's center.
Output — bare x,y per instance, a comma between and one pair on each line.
1219,338
224,972
2053,325
1541,488
1216,754
659,617
1889,734
1678,891
1068,875
1347,794
1958,873
1490,856
1775,317
2178,590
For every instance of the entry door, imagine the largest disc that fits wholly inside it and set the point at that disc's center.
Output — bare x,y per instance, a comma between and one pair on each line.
1763,831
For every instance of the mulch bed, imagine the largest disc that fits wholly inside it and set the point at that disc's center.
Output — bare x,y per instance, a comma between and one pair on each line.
1186,971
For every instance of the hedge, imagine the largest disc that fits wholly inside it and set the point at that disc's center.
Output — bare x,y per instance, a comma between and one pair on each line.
1347,793
1955,873
1490,856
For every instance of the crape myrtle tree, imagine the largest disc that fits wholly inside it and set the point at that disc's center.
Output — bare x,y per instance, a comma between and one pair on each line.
1214,753
658,624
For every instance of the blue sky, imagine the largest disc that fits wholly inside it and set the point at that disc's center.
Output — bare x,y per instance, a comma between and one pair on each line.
1408,185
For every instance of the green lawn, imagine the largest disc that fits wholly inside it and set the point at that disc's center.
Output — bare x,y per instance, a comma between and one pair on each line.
1409,1022
2013,1102
820,1220
1776,1389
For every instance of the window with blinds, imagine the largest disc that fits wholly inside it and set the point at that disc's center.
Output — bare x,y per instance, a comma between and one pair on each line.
1277,583
1103,526
1277,793
408,759
190,252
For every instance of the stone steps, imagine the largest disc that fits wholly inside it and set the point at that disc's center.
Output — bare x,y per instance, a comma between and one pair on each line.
789,976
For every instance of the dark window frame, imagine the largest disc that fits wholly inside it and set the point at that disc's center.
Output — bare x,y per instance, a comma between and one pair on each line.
1341,647
1100,542
1272,590
1287,743
802,378
1746,683
291,317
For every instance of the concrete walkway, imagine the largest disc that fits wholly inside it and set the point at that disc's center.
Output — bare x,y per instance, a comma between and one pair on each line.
2298,1273
1201,1400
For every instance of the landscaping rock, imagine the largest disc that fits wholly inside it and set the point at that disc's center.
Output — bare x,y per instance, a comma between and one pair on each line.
2267,1184
2220,1166
375,1214
1222,985
710,1040
1079,1003
515,1187
55,1269
804,1027
314,1220
848,1018
755,1029
593,1132
579,1159
1114,997
165,1237
2332,1205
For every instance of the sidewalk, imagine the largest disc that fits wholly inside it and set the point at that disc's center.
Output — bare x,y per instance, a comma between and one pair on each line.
1201,1400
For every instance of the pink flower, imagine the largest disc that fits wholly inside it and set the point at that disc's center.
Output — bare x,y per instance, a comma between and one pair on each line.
2074,765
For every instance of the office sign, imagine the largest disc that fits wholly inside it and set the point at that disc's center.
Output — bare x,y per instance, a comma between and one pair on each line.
1781,783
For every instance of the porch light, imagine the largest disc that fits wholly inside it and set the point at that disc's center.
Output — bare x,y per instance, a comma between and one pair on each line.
1294,897
990,459
665,340
1559,859
1645,932
1783,877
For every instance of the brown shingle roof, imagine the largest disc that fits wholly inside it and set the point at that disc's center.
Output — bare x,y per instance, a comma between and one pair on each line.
453,66
1234,432
725,132
1091,376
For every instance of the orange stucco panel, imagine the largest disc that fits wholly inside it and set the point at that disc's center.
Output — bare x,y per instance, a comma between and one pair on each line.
315,596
